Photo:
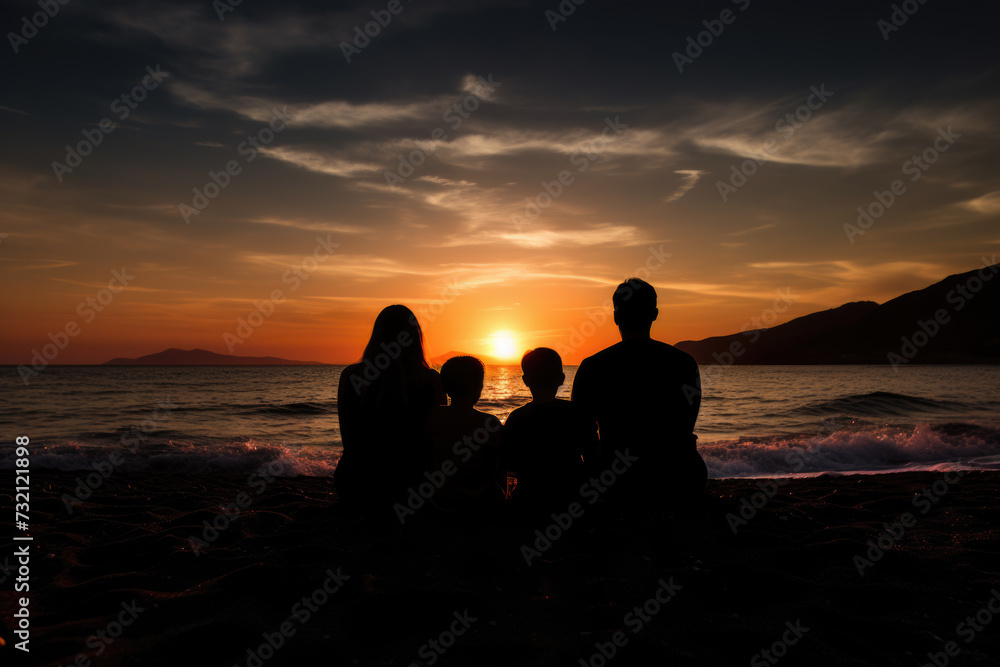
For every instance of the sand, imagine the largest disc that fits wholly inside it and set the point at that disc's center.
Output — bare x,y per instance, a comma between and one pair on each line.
331,588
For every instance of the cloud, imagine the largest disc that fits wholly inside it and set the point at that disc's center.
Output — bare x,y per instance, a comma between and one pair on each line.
616,235
758,228
317,226
988,203
830,138
329,164
691,177
354,266
862,131
329,114
341,114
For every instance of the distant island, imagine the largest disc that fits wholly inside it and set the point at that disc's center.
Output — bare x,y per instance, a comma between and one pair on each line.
178,357
955,321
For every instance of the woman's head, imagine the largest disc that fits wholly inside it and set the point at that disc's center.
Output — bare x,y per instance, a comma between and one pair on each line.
396,340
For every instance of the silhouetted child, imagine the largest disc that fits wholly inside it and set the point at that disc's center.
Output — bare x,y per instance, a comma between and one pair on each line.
464,443
549,441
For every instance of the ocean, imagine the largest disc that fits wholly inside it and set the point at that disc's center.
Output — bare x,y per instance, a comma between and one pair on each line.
755,421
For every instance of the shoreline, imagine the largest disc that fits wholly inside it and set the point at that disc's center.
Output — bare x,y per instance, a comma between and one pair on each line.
730,586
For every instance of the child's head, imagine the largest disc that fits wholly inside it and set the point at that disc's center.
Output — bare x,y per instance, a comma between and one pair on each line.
543,373
462,378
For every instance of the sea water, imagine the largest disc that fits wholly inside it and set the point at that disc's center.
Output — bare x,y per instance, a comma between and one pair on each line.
755,420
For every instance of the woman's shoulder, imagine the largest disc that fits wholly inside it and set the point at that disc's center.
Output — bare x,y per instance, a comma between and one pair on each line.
357,377
351,371
432,378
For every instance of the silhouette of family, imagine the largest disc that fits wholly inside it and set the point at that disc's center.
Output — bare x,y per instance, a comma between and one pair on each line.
402,438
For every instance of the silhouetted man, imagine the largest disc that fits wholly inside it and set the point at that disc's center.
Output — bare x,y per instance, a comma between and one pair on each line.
635,391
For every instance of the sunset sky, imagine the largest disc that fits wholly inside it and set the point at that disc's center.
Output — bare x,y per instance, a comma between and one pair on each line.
642,148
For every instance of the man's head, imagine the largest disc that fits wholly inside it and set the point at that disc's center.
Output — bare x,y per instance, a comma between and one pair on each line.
543,373
462,378
635,306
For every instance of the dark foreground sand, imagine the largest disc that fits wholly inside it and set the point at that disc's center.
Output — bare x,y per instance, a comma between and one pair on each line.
729,596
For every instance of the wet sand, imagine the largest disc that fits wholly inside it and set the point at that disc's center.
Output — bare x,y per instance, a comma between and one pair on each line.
120,582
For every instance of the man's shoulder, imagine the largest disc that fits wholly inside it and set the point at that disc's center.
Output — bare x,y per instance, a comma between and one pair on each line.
606,355
675,352
622,350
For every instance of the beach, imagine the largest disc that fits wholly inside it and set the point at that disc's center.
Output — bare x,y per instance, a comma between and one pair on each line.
473,258
169,568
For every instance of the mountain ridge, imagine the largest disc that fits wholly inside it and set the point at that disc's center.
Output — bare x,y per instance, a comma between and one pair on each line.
955,320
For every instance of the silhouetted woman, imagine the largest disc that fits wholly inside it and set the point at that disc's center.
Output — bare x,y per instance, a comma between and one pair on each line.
383,402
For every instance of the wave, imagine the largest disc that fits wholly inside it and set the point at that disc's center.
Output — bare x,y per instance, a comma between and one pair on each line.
240,457
295,409
880,404
953,445
287,409
886,449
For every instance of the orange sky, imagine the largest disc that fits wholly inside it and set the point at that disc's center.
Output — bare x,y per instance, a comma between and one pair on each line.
327,314
626,157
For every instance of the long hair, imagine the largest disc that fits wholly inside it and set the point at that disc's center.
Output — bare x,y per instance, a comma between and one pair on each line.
395,355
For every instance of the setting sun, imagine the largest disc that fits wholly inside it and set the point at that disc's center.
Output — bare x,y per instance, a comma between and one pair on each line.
503,344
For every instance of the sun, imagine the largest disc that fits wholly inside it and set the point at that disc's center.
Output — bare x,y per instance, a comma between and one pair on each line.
504,345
